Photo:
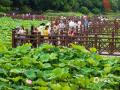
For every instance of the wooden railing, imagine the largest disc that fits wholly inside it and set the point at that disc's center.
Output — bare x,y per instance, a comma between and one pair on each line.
104,36
109,44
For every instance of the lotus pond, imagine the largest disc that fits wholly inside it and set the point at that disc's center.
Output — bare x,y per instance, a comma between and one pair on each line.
57,68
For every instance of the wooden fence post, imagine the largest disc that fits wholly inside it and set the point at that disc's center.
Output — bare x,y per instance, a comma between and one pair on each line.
13,39
96,41
111,46
116,26
37,40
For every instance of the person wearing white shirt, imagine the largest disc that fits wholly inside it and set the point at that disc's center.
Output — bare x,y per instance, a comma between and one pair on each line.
41,28
79,25
61,26
71,24
21,31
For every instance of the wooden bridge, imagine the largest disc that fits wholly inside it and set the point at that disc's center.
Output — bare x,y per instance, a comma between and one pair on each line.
105,36
105,45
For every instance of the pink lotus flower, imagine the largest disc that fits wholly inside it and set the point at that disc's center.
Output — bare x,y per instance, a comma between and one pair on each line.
29,81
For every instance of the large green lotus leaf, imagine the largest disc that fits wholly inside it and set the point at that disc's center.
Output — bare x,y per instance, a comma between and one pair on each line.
39,64
114,77
95,86
81,81
61,65
2,48
45,58
60,73
94,50
39,73
107,69
4,80
80,48
97,57
53,56
92,62
74,87
30,74
27,61
40,82
86,70
36,88
66,87
17,70
56,86
22,87
16,79
5,86
23,49
78,63
3,72
48,75
40,88
46,47
47,66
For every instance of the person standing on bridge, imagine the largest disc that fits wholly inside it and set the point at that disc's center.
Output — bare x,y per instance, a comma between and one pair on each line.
85,22
61,26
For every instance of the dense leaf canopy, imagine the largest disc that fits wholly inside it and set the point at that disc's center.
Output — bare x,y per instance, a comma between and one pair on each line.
57,68
57,5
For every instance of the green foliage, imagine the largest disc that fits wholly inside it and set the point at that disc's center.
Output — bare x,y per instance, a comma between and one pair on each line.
57,68
57,5
4,9
96,11
26,9
6,3
115,5
7,24
2,48
84,10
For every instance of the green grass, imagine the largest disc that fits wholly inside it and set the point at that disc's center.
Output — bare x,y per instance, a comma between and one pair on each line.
53,13
63,14
112,14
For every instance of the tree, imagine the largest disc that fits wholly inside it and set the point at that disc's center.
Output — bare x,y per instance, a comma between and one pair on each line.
88,4
58,5
115,5
5,3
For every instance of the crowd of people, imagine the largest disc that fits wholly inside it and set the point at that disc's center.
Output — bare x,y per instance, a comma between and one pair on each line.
70,26
58,26
63,26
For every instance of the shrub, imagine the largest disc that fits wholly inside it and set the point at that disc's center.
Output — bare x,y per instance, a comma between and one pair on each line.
96,11
6,3
26,9
50,11
84,10
4,9
67,8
